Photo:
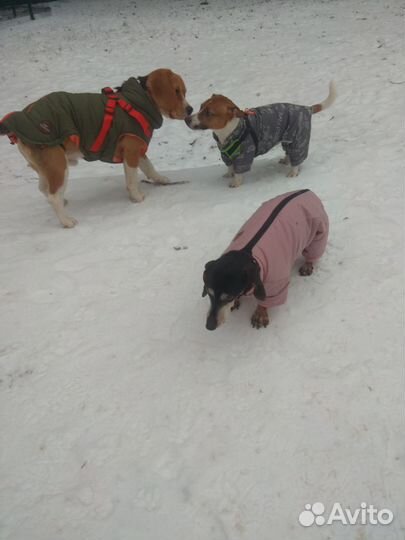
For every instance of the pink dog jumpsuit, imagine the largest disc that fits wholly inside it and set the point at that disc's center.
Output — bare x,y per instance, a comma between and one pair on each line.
300,229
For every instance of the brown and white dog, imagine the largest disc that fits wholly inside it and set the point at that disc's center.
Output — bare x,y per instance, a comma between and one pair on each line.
243,135
167,92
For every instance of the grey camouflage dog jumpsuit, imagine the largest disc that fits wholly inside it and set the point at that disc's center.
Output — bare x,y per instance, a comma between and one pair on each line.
269,125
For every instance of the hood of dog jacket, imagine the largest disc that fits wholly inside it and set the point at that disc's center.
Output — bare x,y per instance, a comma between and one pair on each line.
300,229
59,115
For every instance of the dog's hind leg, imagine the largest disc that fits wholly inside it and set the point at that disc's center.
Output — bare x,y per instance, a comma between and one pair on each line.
54,170
42,182
43,185
29,156
286,159
57,202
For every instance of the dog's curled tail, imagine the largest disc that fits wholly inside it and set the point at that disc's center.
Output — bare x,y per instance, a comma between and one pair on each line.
327,102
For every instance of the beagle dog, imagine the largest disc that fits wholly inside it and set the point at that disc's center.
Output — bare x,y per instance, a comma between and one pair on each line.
243,135
114,126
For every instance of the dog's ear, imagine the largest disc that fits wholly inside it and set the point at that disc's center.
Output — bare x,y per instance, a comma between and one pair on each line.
259,291
253,278
208,265
237,113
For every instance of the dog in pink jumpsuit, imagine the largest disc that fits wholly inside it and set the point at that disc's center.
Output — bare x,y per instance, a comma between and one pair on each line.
260,258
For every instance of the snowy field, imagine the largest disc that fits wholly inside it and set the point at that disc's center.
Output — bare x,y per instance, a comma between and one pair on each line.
122,417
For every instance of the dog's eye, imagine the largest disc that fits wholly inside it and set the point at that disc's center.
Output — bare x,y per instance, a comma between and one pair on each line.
207,112
227,297
178,93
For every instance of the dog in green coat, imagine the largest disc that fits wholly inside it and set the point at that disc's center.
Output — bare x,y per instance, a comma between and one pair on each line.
114,126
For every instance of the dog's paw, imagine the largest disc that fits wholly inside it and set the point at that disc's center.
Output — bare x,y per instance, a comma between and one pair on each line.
229,173
285,160
260,318
294,171
306,269
136,197
236,304
235,182
68,222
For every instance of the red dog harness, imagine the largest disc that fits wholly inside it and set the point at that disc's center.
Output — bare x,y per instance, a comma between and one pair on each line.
112,102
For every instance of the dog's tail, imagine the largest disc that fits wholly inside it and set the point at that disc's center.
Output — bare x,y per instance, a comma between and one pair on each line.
327,102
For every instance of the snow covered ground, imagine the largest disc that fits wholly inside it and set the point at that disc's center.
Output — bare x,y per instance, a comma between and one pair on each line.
121,416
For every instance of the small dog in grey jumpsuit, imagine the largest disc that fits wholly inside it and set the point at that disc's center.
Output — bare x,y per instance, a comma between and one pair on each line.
243,135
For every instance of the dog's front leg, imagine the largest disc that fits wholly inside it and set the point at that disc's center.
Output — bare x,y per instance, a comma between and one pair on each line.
294,171
306,269
236,181
260,318
131,179
236,304
150,172
229,173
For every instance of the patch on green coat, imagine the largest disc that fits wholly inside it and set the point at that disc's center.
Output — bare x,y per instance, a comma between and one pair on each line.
53,118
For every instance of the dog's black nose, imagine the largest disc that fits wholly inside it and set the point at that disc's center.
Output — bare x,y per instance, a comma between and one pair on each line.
189,109
211,323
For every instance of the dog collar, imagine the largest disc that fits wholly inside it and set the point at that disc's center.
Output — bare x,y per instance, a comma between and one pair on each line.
232,148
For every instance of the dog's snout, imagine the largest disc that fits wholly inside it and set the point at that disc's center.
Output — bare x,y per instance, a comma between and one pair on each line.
211,323
189,110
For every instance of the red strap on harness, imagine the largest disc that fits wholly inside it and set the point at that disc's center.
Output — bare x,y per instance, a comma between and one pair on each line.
139,117
112,102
